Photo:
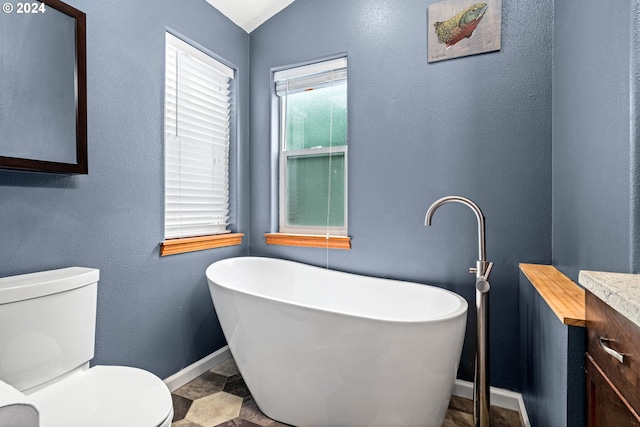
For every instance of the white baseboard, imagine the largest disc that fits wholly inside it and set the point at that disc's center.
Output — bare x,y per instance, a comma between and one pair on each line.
499,397
198,368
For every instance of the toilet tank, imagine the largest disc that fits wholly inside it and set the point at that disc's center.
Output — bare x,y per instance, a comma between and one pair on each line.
47,324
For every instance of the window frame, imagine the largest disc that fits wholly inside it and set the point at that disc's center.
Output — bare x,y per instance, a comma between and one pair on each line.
306,72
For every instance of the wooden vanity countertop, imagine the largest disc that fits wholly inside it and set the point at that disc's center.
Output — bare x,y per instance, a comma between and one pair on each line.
565,297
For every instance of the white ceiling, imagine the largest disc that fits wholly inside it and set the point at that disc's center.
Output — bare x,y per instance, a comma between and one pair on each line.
249,14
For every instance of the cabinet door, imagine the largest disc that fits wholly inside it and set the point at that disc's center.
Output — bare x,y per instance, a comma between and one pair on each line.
605,408
624,338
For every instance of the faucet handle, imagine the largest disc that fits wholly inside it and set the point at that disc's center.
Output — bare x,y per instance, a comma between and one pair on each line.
485,276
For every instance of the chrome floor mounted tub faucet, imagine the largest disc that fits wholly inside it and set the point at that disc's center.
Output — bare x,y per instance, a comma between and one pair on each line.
482,271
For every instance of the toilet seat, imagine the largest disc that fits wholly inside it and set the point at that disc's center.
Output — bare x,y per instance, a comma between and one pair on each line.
106,396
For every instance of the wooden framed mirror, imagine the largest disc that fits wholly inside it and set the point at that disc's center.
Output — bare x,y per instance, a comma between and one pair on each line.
43,95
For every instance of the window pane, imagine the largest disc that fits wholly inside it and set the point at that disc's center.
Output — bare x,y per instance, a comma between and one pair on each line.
317,118
308,191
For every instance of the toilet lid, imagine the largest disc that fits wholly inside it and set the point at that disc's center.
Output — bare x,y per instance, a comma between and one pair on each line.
105,396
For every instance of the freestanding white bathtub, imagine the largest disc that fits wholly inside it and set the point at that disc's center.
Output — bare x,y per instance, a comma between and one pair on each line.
318,347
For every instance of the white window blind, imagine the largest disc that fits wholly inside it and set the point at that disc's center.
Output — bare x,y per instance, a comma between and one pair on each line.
313,76
197,117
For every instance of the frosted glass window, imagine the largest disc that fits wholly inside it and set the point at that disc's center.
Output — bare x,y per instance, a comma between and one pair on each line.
313,148
310,200
317,118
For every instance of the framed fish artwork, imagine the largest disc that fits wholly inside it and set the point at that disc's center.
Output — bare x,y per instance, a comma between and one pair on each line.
463,27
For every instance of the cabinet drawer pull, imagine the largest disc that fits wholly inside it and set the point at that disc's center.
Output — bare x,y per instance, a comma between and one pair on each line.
611,352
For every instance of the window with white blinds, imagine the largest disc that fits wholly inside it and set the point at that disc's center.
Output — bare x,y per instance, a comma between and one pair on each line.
197,121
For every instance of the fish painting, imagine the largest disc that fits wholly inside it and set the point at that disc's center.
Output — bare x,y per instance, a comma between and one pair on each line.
461,25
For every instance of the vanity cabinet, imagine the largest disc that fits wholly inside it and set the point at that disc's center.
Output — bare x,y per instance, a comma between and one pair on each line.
612,367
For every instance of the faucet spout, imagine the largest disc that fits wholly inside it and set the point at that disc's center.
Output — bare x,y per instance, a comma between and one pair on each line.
482,256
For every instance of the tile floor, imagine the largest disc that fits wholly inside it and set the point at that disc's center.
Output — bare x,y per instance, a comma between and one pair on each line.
219,398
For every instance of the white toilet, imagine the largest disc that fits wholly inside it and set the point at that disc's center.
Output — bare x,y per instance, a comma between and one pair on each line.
47,334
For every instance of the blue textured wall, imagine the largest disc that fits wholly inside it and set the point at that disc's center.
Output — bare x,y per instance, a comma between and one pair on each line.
594,154
634,123
476,126
552,358
154,313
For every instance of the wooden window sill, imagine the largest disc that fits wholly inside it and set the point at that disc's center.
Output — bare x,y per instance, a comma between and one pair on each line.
308,240
565,298
192,244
